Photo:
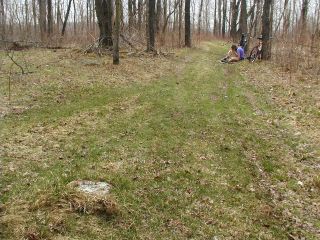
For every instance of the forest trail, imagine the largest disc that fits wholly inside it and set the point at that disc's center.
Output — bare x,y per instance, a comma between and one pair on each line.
193,149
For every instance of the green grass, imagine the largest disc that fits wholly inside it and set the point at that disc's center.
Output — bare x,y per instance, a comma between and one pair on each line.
182,154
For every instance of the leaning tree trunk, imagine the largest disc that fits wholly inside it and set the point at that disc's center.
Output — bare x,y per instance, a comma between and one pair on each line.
66,18
104,16
266,29
187,24
151,26
116,60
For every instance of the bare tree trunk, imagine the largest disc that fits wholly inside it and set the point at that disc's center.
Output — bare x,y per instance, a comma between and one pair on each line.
158,15
26,5
74,19
266,29
187,24
42,19
140,12
286,18
66,18
180,20
2,21
199,18
207,17
303,18
49,17
235,10
104,15
151,26
130,16
116,60
134,11
224,18
58,16
243,23
219,17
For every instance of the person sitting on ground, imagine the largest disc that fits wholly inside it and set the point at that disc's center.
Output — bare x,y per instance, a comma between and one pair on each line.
232,55
240,52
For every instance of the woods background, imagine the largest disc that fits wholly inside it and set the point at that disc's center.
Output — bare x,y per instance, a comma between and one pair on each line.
294,24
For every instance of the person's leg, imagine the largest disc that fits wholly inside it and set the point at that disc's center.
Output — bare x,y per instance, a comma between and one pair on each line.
227,57
233,59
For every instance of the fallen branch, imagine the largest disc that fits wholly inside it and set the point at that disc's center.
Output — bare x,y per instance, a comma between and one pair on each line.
23,71
128,42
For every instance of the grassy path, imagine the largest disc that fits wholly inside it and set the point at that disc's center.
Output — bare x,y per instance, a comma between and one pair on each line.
188,156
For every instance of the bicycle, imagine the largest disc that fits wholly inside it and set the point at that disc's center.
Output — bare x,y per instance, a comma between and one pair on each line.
256,52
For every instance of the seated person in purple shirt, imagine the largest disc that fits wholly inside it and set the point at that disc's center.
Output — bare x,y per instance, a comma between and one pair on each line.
235,54
240,52
232,55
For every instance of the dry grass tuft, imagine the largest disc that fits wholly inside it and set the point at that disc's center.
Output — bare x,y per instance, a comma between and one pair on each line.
86,204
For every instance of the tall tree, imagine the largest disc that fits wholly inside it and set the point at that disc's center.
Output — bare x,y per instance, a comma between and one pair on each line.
199,18
66,18
158,15
42,19
224,18
243,21
140,12
234,18
187,23
104,16
180,20
266,29
116,60
286,17
219,17
303,18
130,16
2,21
50,17
151,26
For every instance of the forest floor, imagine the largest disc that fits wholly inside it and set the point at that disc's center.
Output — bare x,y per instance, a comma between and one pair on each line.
193,148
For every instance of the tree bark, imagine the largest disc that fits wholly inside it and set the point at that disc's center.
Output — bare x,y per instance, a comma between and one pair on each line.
180,20
266,29
42,19
151,26
158,15
116,60
303,18
2,21
140,12
199,17
130,16
219,17
224,18
187,24
66,18
104,16
49,17
234,8
286,18
243,24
